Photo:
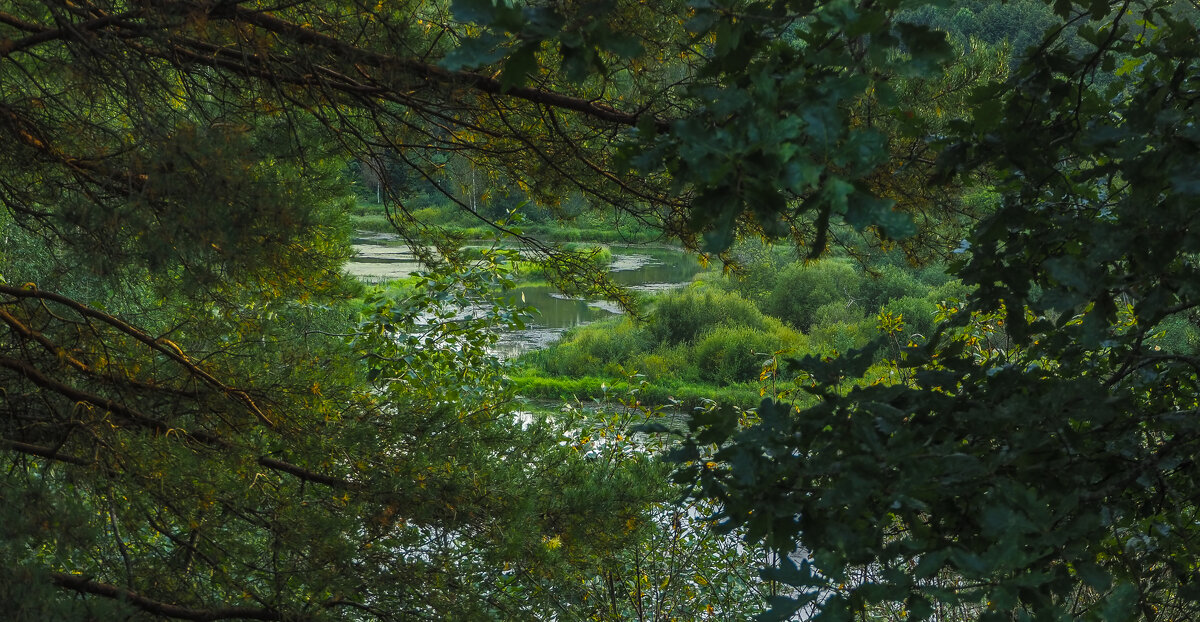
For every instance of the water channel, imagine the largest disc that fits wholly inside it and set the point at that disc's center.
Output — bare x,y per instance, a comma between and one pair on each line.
382,257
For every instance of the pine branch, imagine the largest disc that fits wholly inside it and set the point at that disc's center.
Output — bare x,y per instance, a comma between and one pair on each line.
84,585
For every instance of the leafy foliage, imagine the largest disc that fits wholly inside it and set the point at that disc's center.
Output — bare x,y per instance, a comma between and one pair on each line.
188,437
801,290
1033,462
683,317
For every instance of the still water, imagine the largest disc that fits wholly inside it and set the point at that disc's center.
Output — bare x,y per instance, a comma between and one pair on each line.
380,257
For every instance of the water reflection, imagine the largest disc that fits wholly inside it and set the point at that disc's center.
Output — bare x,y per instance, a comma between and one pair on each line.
558,311
381,258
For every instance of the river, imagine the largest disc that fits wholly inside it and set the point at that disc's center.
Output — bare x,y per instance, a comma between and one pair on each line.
382,257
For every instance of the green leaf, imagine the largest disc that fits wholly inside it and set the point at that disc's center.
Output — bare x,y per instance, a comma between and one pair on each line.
471,53
519,65
495,13
782,608
928,48
1093,575
623,45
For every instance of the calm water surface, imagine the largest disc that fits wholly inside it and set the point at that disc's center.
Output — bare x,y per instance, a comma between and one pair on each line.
380,257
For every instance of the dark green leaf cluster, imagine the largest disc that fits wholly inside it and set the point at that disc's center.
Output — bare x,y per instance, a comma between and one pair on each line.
1050,475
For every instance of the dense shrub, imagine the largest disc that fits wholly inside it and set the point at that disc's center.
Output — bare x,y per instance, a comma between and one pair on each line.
934,276
710,334
802,289
665,363
588,350
596,255
714,279
445,214
611,340
730,354
917,313
566,359
840,311
681,317
952,290
756,269
841,337
888,283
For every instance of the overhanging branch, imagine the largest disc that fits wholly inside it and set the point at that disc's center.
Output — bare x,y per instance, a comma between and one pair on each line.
84,585
161,346
43,452
429,72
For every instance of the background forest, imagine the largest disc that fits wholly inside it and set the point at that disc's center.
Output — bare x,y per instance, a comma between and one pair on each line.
939,361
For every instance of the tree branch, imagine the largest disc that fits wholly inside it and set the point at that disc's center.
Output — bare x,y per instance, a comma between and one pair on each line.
305,474
122,411
44,452
431,73
270,463
174,352
83,585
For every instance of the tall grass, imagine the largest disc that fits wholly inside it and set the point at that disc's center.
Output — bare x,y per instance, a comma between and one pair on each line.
712,340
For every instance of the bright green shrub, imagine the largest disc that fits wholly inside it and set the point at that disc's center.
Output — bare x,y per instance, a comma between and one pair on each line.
568,360
682,316
597,255
664,364
592,349
757,269
445,214
839,311
729,354
953,289
802,289
714,279
917,313
608,341
934,276
889,283
842,337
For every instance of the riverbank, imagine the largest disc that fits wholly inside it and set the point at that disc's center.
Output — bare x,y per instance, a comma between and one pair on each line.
384,259
647,271
533,383
587,226
699,342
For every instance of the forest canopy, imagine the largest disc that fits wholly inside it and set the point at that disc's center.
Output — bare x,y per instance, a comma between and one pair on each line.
201,418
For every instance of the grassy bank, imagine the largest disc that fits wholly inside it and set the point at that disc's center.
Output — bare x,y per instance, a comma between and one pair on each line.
588,226
536,384
714,339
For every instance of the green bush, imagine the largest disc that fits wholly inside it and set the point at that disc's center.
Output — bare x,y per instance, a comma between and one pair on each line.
374,223
890,282
681,395
934,276
665,364
917,313
953,290
597,255
802,289
682,317
730,354
757,268
716,280
611,341
567,360
446,215
588,350
841,337
840,311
